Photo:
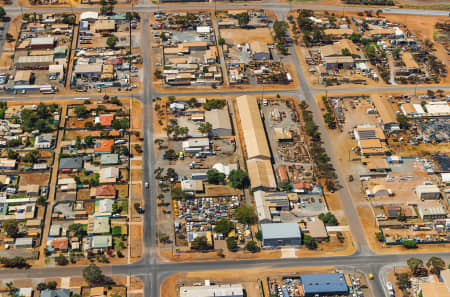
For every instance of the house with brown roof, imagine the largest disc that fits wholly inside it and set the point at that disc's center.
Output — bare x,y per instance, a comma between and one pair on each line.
104,192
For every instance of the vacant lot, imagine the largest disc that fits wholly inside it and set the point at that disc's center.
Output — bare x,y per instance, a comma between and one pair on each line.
34,179
241,36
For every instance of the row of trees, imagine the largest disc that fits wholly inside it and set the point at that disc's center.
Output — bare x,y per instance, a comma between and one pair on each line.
238,178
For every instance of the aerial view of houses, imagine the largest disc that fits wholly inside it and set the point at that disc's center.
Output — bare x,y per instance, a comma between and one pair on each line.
107,54
171,148
185,49
364,49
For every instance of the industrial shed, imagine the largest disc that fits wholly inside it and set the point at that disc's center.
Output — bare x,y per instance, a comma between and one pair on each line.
33,62
252,128
324,284
261,175
220,121
281,234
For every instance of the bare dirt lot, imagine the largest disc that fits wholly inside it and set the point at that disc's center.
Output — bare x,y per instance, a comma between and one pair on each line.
241,36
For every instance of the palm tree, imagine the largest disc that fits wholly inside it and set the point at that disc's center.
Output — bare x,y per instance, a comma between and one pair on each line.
11,289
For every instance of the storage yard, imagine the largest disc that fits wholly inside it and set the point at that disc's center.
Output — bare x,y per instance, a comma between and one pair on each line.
250,50
406,192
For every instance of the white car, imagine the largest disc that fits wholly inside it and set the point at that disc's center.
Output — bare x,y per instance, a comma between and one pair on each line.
147,185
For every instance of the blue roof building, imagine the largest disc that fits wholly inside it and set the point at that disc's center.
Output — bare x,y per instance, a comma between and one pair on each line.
324,284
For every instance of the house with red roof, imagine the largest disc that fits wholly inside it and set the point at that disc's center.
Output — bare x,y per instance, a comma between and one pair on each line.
104,192
105,120
60,244
105,147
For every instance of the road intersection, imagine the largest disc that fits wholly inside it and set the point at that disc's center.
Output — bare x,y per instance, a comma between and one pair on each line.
150,268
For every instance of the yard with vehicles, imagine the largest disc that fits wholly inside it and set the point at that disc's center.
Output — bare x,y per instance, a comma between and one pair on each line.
289,282
40,62
255,47
399,188
206,162
107,54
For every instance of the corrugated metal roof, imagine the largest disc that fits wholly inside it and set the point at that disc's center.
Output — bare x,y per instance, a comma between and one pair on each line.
324,283
280,231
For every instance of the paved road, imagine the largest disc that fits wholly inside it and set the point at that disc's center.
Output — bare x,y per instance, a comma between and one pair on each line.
153,270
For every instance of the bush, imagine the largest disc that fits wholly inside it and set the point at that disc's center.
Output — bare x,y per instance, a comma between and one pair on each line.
231,244
258,235
410,244
245,214
224,226
309,242
380,236
328,219
239,179
61,260
252,246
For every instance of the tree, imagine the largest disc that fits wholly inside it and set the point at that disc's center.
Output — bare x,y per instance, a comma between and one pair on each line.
112,41
223,226
52,285
213,176
258,235
328,219
80,111
158,74
245,214
107,9
380,236
355,37
252,246
93,275
32,156
12,155
403,281
239,179
221,41
346,52
41,286
410,244
231,244
214,104
285,186
69,19
403,121
243,19
77,230
205,128
436,264
11,289
200,243
11,228
2,12
61,260
309,242
414,264
192,102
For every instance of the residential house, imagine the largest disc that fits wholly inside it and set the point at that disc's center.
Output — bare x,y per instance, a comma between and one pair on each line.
43,141
109,159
